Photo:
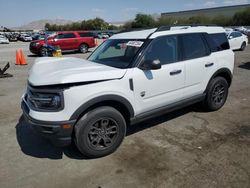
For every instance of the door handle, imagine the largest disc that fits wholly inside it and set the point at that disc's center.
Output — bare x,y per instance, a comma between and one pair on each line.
209,64
175,72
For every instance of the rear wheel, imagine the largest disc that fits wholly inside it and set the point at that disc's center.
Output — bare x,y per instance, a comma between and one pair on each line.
243,46
83,48
217,93
100,132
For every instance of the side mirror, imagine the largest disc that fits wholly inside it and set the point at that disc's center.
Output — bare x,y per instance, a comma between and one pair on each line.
150,65
230,37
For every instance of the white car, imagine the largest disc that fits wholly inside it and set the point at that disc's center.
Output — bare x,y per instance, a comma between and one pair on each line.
3,40
130,78
26,38
237,40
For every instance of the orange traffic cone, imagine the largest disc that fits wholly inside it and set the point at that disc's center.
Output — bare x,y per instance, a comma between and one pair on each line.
17,58
23,61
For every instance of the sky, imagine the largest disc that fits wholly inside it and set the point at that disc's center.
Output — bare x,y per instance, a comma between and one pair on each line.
16,13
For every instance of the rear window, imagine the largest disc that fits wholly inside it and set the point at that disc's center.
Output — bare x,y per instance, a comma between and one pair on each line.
86,34
218,42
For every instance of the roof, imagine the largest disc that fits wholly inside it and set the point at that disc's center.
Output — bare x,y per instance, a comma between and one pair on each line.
144,34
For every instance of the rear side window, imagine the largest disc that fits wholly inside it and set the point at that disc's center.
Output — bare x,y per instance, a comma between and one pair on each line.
193,46
237,34
65,36
217,42
69,35
86,34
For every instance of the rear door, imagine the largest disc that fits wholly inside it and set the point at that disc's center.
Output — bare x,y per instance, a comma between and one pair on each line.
198,61
158,88
66,41
234,39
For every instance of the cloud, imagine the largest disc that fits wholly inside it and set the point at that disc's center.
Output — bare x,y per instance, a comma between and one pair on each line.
130,9
129,13
235,2
97,10
210,4
189,5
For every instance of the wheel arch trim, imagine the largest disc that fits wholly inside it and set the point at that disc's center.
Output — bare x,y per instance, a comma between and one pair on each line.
221,71
105,98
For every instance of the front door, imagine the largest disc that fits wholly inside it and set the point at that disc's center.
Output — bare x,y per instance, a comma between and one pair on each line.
158,88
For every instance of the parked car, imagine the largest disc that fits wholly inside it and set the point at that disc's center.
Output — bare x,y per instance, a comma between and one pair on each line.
3,40
26,38
12,37
102,35
228,30
38,37
67,41
237,40
130,78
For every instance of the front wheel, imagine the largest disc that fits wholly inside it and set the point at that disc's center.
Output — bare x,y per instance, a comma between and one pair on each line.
43,52
100,132
83,48
217,93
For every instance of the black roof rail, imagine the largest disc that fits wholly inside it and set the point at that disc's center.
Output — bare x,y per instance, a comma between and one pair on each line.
168,27
132,29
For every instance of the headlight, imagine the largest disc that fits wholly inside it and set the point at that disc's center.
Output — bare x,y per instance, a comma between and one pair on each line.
45,101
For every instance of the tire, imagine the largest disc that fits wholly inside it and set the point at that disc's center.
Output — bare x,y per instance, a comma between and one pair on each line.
83,48
43,52
243,46
217,93
100,132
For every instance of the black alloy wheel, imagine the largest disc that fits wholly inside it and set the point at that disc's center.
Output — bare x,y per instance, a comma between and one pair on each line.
100,131
103,133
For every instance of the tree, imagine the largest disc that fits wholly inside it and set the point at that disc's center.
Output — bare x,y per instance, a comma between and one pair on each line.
143,21
242,17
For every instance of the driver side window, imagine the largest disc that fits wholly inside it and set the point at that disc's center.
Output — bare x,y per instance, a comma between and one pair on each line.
164,49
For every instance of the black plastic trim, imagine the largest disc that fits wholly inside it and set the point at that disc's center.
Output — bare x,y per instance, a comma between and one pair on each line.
50,130
131,84
168,27
104,98
166,109
222,70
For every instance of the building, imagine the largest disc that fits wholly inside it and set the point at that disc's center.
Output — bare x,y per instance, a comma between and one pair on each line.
210,12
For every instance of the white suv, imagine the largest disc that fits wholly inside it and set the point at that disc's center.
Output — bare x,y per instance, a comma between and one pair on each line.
131,77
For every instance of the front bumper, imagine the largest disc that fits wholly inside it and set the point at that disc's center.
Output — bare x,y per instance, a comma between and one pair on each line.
59,134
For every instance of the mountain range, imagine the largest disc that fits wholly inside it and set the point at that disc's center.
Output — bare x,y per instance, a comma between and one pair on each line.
39,24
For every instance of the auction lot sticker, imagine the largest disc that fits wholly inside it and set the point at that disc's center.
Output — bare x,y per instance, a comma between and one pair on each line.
135,43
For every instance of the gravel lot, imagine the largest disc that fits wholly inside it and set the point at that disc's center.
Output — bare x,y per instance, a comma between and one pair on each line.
186,148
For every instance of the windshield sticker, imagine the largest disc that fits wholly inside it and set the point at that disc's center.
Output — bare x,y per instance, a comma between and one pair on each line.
135,43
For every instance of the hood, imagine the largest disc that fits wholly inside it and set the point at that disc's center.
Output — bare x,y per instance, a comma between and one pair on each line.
52,71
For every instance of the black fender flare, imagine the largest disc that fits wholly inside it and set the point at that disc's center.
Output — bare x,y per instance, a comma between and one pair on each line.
225,71
105,98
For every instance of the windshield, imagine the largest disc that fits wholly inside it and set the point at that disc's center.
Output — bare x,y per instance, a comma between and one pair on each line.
118,53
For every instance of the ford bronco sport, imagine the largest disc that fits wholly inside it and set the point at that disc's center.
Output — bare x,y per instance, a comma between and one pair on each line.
131,77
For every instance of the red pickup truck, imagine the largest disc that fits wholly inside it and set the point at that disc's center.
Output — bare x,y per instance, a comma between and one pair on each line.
67,41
